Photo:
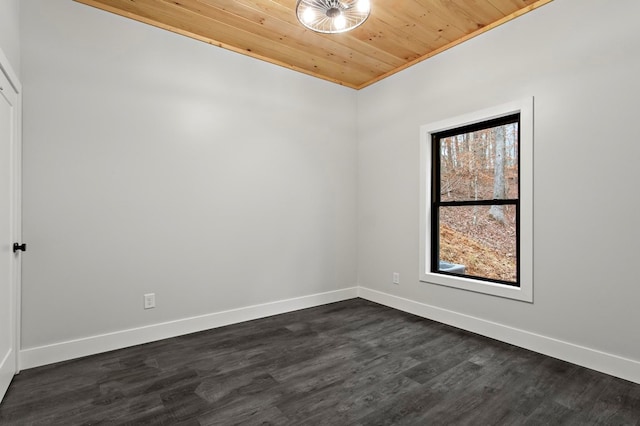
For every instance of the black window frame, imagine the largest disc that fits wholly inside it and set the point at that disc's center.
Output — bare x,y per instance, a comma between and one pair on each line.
437,203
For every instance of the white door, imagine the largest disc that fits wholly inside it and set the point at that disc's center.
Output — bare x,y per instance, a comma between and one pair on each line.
9,230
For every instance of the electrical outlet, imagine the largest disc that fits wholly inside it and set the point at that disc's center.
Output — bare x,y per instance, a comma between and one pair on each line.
150,301
396,278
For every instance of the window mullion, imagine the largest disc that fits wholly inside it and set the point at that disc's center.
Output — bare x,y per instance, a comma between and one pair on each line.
506,202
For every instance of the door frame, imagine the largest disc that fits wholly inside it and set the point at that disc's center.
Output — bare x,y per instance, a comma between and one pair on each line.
16,213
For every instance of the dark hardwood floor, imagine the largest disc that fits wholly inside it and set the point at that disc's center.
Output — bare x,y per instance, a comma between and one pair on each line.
347,363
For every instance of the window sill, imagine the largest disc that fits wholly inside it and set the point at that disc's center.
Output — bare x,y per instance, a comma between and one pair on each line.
478,286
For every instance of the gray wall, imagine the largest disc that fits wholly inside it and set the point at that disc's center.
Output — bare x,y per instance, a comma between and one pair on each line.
9,32
157,163
580,61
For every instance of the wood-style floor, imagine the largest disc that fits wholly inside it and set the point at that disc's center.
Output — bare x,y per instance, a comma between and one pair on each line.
347,363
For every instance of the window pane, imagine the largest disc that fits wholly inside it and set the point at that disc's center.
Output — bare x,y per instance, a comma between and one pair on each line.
480,165
474,243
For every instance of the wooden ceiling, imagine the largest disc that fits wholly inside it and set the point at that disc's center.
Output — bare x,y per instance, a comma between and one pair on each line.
397,35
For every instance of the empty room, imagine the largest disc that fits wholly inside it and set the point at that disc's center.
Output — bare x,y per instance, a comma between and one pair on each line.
358,212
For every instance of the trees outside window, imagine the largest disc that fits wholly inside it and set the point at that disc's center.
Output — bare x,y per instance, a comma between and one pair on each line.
475,200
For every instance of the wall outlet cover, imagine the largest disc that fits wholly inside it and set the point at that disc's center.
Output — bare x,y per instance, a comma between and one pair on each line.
149,300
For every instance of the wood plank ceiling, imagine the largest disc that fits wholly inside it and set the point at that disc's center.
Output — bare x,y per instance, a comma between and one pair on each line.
397,35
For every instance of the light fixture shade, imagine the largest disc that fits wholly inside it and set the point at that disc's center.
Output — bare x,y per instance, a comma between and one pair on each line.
332,16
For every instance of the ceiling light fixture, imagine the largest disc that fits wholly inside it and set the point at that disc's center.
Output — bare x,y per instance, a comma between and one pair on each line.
332,16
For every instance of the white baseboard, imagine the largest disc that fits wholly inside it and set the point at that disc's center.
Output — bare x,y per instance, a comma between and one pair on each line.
63,351
600,361
596,360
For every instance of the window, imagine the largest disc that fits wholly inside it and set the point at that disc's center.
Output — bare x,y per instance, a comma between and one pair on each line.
476,202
